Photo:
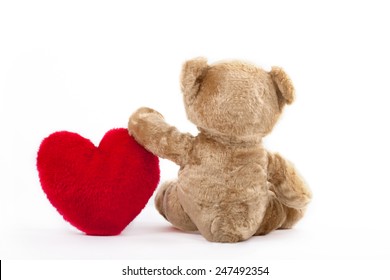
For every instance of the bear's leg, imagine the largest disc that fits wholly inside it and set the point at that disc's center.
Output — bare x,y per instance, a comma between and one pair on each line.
292,217
169,207
288,186
274,217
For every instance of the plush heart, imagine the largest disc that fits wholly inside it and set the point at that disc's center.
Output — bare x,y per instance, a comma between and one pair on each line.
99,190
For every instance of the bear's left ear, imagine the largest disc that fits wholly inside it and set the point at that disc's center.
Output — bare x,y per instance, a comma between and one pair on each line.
283,85
192,74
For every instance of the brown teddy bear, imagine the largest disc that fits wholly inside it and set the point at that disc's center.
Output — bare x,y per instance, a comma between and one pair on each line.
228,187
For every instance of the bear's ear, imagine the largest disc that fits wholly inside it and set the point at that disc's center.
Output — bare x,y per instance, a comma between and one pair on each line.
284,87
192,74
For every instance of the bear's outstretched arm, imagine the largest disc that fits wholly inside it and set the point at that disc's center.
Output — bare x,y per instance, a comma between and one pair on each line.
148,127
289,187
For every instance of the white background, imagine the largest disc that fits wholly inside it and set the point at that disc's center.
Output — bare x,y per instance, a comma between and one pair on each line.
85,66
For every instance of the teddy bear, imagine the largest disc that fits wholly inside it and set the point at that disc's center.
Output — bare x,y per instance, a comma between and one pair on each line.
229,187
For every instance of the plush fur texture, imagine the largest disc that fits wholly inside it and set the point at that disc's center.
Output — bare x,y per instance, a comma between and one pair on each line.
99,190
229,187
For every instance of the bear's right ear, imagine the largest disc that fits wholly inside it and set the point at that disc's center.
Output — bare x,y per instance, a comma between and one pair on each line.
284,86
192,74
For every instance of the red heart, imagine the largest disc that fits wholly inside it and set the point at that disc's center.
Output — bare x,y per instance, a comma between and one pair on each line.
99,190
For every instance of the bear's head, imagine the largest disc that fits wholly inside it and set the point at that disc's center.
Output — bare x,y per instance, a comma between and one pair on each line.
234,99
